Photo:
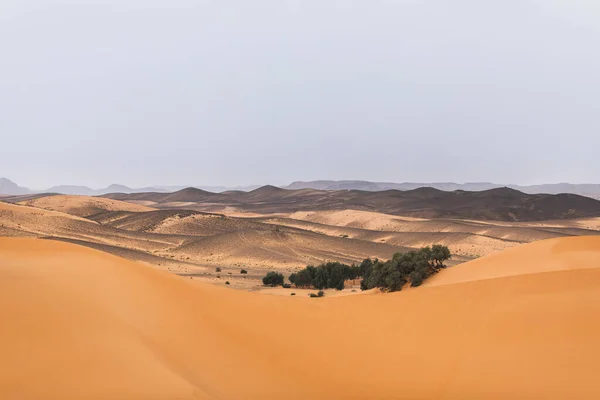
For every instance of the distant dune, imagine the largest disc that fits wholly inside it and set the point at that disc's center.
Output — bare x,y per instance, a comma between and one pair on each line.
78,323
183,241
82,206
500,204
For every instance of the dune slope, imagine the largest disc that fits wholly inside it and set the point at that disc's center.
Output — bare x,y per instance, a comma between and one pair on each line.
82,206
79,323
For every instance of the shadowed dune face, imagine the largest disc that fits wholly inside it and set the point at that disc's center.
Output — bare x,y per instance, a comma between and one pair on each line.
79,323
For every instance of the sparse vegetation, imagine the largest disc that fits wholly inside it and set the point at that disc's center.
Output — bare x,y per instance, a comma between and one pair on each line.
329,275
217,269
320,293
273,279
414,266
243,271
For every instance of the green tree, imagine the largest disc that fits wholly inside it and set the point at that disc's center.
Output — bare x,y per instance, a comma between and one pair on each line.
273,279
439,254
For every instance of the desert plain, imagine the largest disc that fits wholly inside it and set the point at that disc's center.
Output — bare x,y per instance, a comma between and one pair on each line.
118,297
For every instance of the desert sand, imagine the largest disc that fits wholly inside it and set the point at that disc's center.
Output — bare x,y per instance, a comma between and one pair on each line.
194,244
80,323
83,206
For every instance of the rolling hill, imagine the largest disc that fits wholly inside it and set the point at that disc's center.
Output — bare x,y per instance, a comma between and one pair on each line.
501,204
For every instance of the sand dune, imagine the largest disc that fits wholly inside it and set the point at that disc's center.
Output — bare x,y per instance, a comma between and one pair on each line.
565,254
83,206
191,243
464,237
79,323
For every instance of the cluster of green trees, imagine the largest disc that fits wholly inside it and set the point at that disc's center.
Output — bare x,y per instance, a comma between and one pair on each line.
329,275
413,266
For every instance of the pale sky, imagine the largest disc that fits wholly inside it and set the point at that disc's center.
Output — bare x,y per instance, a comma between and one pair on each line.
143,92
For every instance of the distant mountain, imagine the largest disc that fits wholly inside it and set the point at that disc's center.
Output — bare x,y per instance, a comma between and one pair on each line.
221,189
380,186
71,189
9,187
212,189
115,188
589,190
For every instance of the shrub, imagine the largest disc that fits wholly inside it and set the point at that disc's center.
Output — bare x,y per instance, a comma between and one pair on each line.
218,269
273,279
320,293
312,295
286,286
292,294
227,282
243,271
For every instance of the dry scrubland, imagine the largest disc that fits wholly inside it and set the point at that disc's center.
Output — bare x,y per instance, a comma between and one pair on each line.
194,243
80,323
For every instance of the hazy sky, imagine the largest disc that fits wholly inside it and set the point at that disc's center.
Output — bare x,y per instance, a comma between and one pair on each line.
145,92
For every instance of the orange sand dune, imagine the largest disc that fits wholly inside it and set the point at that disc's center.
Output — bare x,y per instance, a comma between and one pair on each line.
563,254
78,323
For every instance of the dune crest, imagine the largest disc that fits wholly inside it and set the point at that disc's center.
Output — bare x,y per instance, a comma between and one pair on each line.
570,253
79,323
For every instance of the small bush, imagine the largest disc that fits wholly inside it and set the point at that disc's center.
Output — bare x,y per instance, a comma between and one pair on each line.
320,293
312,295
243,271
219,276
218,269
227,282
286,286
292,294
